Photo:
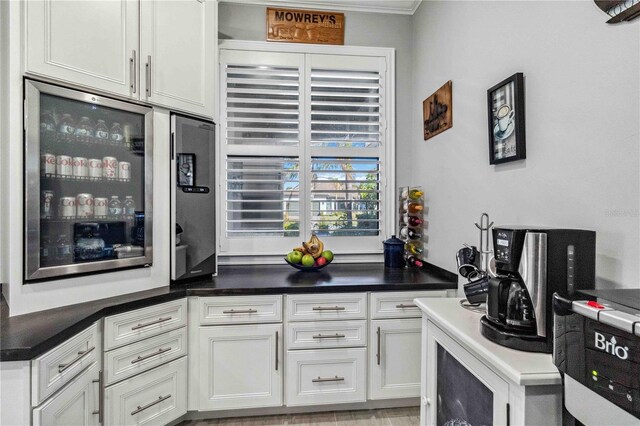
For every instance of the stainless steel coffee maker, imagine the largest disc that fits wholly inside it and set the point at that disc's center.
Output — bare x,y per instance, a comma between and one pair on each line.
531,264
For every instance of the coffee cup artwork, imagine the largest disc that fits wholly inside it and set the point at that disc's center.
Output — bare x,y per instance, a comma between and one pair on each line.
505,102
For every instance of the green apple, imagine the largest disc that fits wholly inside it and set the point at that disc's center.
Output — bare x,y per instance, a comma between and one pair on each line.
294,256
308,260
328,254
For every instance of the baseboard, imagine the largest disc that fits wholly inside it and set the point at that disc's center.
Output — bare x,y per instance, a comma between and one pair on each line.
272,411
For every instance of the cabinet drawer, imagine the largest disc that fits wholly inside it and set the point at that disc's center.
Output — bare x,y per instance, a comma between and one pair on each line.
156,397
319,307
136,325
326,376
399,304
57,367
137,357
240,309
326,334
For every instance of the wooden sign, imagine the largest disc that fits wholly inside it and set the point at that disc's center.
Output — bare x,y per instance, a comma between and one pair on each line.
437,111
305,26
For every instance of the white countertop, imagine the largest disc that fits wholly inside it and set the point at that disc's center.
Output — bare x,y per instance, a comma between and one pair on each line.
463,325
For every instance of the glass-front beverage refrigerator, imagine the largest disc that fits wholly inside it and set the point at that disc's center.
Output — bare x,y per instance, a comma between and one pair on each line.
88,183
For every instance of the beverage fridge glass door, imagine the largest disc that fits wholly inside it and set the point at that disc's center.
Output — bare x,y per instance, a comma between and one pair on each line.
88,183
193,195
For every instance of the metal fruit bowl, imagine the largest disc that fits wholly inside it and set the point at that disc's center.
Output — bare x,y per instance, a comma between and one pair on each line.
299,266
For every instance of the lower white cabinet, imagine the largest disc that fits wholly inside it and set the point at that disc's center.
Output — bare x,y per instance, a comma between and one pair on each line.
394,360
326,376
76,404
240,366
155,397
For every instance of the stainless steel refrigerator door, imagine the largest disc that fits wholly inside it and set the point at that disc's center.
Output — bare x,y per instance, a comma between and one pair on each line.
32,238
193,197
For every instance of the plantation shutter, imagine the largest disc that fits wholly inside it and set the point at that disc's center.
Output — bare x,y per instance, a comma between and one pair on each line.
346,138
304,149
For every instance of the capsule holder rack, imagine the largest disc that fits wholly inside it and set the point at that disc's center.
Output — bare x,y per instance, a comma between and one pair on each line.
412,247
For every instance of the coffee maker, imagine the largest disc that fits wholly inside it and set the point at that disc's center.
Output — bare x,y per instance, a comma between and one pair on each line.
532,264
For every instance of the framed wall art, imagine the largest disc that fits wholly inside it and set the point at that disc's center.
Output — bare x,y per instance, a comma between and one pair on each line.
505,105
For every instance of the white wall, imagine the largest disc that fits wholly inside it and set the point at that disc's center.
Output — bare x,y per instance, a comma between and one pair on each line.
248,22
582,125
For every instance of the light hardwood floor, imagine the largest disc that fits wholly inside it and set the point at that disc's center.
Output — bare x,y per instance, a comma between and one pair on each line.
384,417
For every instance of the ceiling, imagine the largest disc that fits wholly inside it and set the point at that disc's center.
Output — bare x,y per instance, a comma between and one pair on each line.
403,7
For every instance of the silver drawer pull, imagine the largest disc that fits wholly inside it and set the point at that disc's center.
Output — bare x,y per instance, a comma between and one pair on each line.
328,379
240,311
328,308
159,320
402,306
151,404
329,336
81,354
143,357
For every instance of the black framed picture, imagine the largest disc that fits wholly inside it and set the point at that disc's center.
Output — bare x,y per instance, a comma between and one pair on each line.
505,104
186,169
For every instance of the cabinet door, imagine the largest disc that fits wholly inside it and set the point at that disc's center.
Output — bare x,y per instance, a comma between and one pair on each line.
458,387
178,44
76,404
155,397
240,366
86,43
395,358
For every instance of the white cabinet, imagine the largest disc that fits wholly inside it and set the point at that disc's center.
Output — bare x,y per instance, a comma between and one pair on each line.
240,366
156,397
326,376
76,404
161,52
394,361
177,54
86,43
395,347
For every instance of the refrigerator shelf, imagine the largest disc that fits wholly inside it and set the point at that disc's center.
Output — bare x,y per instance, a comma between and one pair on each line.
64,178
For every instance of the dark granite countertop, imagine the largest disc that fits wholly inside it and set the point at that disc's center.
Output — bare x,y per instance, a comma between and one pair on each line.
24,337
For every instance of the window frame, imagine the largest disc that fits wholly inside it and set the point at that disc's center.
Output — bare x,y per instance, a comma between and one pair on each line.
271,249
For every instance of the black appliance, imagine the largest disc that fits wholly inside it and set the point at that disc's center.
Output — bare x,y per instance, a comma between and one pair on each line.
532,264
597,348
193,253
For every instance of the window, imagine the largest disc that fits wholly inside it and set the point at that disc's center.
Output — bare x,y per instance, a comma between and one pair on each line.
305,147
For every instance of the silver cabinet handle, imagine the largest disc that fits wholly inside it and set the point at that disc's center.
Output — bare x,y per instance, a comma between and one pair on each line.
277,335
148,73
328,308
403,306
158,321
151,404
378,348
240,311
329,336
99,411
132,71
143,357
81,354
327,379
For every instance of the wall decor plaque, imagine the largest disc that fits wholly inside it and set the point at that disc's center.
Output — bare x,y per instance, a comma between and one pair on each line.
437,111
305,26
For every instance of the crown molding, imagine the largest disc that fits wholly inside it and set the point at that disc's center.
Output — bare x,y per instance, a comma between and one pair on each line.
400,7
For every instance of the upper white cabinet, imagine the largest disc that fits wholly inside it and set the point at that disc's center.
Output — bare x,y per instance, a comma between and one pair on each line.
177,54
87,43
161,52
